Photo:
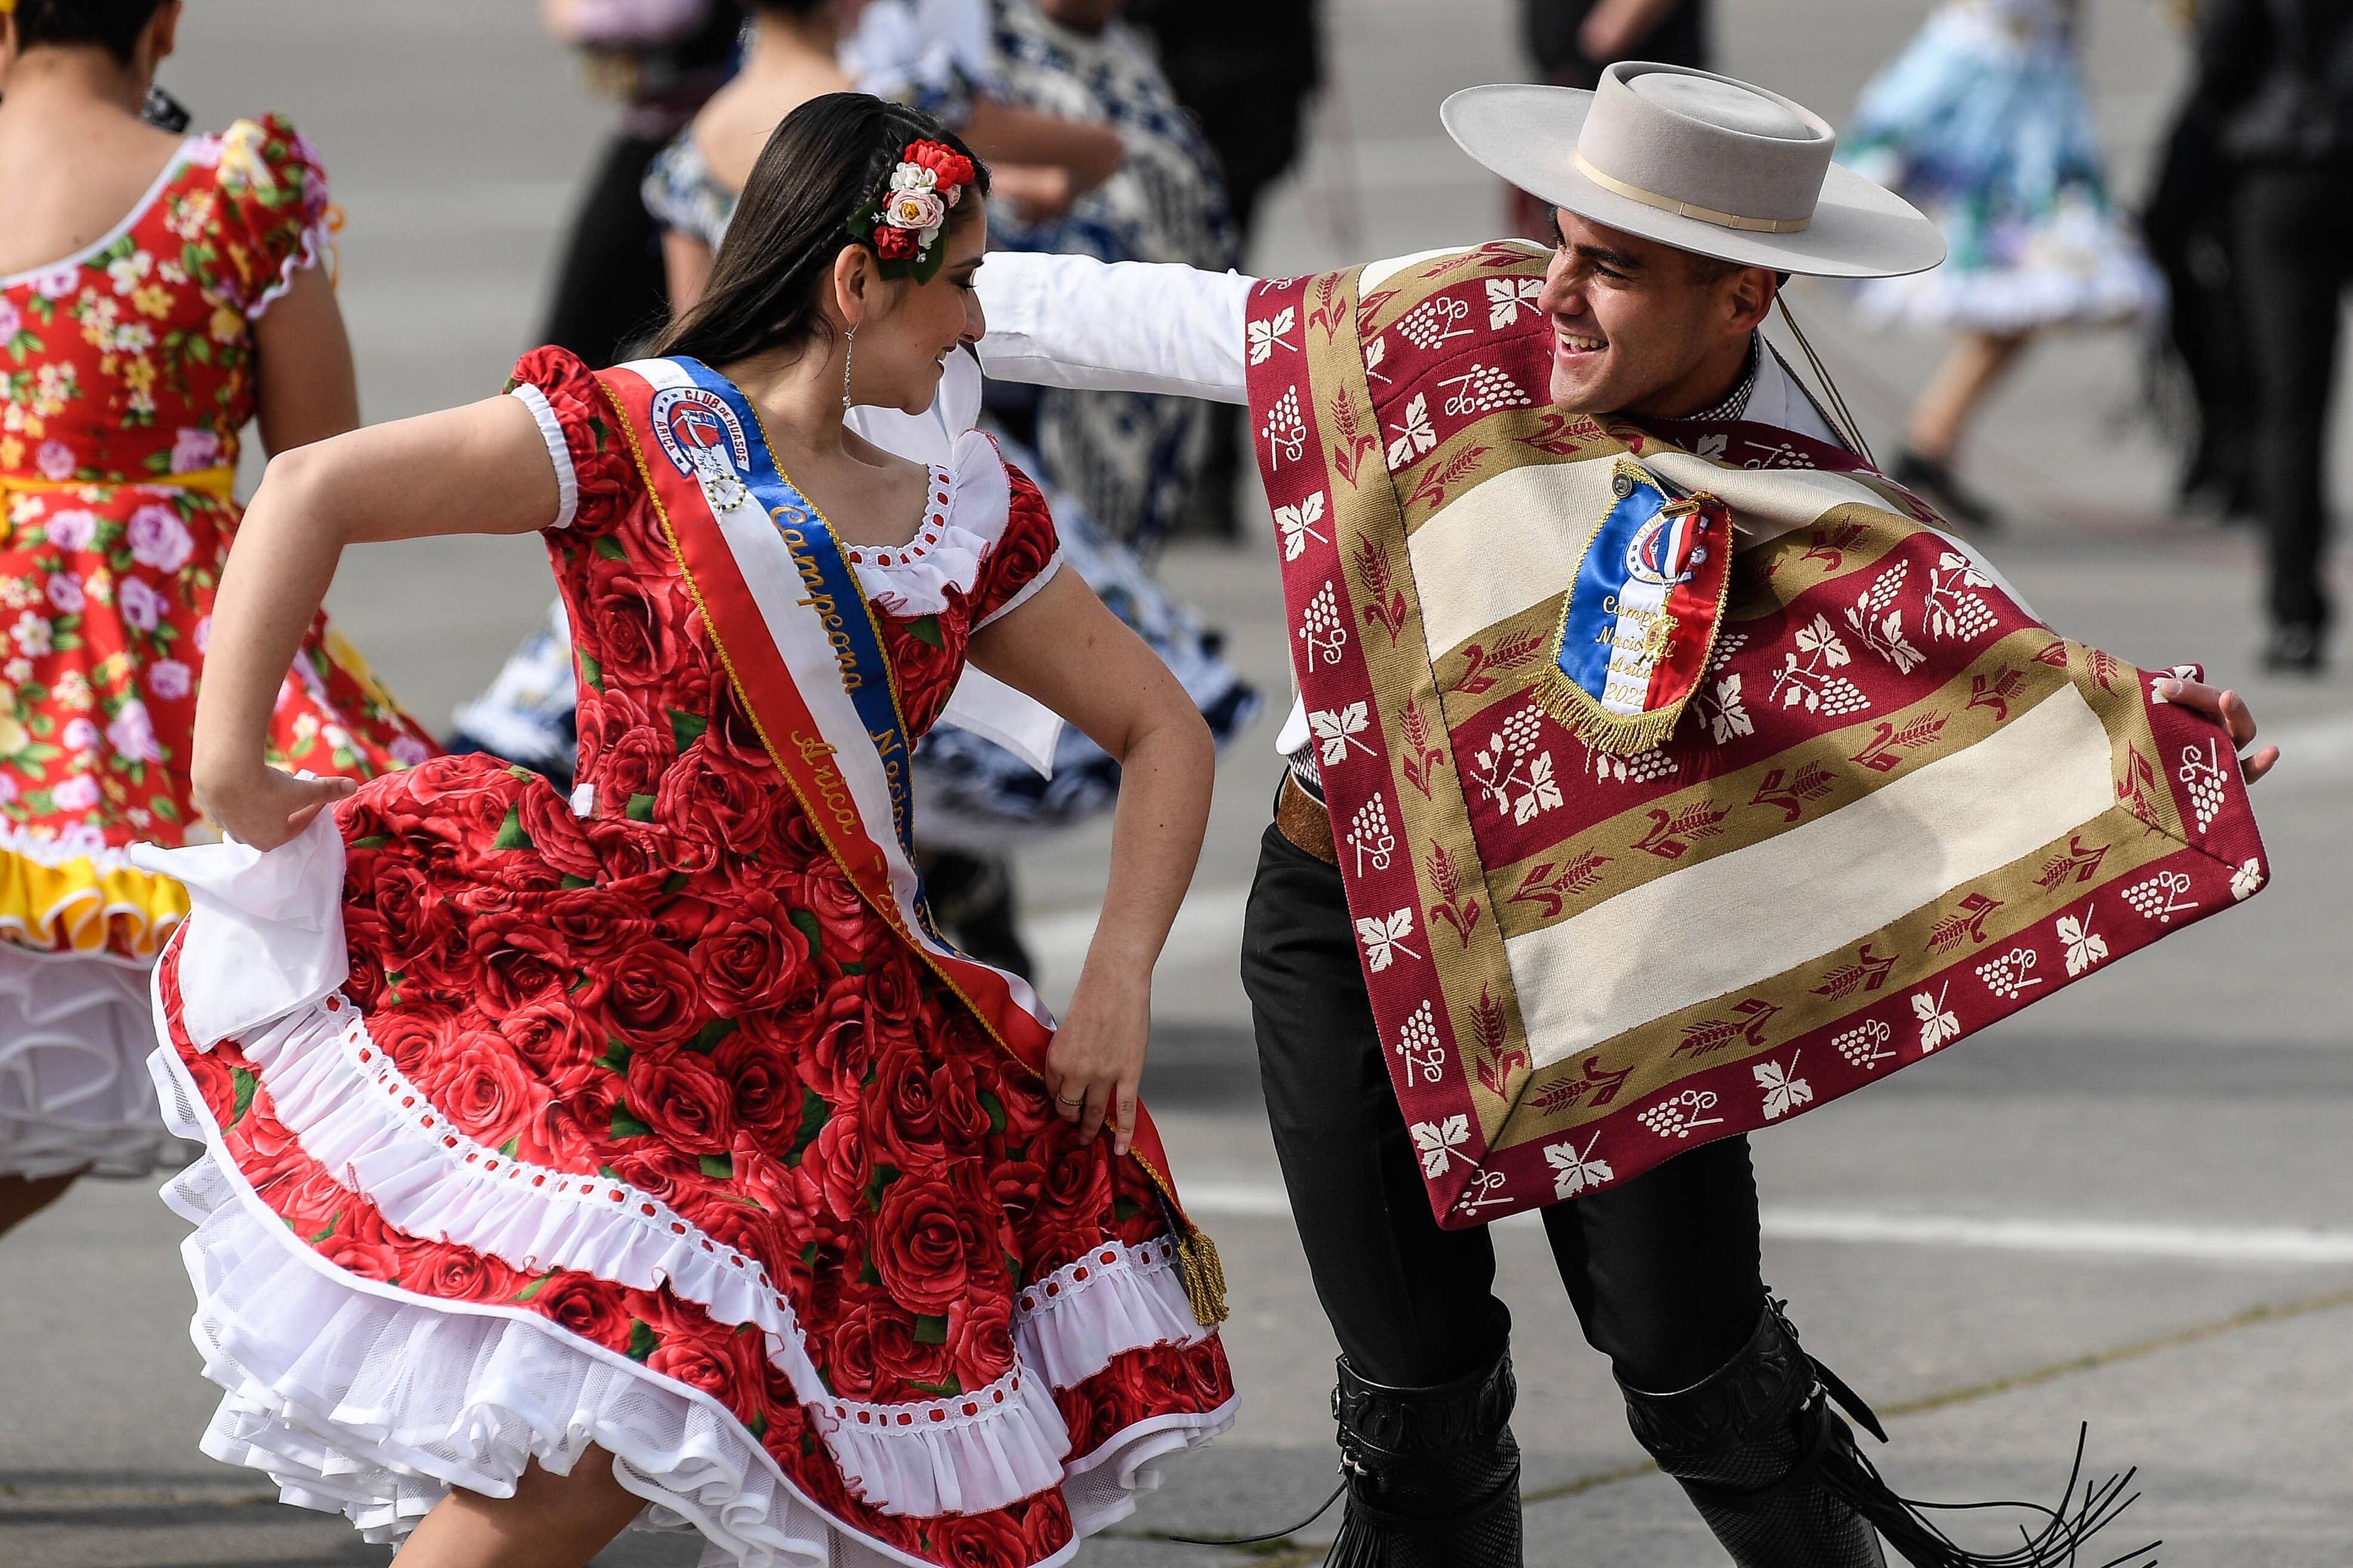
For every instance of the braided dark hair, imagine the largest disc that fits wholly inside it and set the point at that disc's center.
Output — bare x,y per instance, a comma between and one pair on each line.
828,158
115,25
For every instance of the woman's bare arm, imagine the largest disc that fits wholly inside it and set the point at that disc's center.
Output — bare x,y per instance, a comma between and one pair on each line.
1065,649
306,388
481,469
686,263
1007,133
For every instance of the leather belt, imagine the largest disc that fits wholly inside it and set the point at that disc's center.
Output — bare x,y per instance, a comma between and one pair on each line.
1304,821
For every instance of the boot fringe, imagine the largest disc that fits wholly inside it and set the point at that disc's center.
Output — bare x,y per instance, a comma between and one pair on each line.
1358,1545
2060,1543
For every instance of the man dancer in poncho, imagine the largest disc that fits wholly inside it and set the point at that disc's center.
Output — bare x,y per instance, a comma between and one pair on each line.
1445,1032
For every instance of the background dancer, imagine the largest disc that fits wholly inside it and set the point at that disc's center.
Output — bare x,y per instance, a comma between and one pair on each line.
156,294
662,59
793,52
691,1175
1982,121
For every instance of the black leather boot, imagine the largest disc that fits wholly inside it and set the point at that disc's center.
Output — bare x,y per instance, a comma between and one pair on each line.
1776,1474
1433,1474
1740,1441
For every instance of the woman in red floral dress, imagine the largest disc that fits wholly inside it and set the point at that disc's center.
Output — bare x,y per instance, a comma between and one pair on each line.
642,1156
156,294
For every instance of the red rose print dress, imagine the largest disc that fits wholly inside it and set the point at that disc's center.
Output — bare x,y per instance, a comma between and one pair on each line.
535,1122
127,372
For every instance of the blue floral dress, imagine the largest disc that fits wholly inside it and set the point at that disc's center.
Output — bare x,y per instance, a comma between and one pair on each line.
1982,123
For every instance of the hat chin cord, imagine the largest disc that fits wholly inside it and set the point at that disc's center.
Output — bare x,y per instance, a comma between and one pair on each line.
1838,413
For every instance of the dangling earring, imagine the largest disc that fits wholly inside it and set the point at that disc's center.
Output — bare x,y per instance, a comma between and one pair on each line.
848,352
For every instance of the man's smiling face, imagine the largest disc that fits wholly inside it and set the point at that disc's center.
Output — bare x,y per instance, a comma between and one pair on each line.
1640,327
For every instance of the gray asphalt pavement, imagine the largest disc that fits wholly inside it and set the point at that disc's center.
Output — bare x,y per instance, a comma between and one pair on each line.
2131,1207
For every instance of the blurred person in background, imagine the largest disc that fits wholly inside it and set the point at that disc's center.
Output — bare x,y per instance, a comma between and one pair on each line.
157,294
2201,373
1572,40
1246,71
2275,84
1982,121
662,59
1131,461
979,796
796,50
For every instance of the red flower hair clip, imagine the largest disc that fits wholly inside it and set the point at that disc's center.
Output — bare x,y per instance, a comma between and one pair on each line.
904,224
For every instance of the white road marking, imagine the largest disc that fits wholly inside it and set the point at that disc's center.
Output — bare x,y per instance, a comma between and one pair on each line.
2076,1237
2081,1237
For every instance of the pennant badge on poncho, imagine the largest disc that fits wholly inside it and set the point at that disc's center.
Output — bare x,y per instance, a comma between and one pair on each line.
1678,787
1640,621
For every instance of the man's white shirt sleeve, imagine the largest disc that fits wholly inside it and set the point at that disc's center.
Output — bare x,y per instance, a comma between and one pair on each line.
1116,326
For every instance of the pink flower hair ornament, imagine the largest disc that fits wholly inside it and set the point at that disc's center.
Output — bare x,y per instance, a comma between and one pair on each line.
903,222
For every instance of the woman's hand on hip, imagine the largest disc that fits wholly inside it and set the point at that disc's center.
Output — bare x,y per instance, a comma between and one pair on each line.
1096,1062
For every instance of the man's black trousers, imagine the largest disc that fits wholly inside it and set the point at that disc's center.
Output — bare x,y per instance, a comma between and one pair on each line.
1663,1271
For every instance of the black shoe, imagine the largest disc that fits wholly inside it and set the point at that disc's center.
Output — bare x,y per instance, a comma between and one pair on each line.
1934,482
1433,1474
2293,649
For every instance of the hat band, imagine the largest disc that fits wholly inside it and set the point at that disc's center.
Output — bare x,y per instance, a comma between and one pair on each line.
1688,209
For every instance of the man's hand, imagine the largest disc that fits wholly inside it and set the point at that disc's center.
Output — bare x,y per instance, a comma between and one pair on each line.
2232,710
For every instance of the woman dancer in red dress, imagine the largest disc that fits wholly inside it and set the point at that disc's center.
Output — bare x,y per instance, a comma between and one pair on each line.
157,294
644,1155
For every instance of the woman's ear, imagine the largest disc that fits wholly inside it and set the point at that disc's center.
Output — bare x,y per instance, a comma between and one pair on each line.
164,32
860,290
851,284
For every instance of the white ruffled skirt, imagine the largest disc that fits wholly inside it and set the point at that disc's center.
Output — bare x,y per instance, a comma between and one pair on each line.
75,1033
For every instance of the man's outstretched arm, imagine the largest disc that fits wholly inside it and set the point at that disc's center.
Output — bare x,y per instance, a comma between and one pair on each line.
1120,326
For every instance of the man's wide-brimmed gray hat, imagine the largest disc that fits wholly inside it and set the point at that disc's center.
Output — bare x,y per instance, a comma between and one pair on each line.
1699,161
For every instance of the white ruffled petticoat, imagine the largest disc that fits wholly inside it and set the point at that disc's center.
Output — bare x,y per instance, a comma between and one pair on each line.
75,1033
372,1401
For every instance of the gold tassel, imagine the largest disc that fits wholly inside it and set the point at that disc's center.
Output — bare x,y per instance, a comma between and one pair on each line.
1204,1276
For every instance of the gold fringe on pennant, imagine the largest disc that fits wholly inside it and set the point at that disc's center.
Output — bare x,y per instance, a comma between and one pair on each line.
1204,1275
1619,734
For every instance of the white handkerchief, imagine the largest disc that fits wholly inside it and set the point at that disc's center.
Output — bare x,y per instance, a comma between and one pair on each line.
994,711
265,932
